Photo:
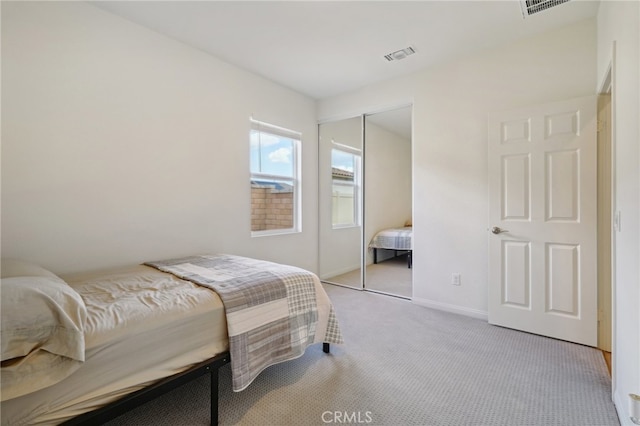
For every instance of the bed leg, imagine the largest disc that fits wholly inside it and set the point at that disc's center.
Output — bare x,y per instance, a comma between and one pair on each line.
375,255
214,396
326,348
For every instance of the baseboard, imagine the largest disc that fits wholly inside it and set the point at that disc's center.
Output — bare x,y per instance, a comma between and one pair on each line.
456,309
339,272
622,407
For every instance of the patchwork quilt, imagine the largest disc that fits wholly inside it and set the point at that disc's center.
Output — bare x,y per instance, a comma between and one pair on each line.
271,309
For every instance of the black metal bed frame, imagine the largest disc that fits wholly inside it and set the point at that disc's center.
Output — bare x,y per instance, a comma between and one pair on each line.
409,255
137,398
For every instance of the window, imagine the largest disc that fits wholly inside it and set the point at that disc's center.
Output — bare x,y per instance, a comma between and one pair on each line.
275,180
345,174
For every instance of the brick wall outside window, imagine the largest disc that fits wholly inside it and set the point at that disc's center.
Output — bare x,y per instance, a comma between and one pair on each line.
271,208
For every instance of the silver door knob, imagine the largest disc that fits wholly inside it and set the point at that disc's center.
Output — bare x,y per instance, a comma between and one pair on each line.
497,230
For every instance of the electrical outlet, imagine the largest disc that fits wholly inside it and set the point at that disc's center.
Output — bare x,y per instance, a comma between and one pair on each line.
456,279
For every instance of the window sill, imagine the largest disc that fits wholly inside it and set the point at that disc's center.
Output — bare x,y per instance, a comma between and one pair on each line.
345,226
272,232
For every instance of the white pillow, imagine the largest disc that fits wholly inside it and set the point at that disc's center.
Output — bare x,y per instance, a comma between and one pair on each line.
18,268
42,329
41,313
37,306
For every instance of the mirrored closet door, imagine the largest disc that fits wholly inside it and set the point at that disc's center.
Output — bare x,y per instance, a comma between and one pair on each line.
388,231
365,202
340,202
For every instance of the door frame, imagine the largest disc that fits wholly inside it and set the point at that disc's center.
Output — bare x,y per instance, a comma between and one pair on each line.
608,85
604,221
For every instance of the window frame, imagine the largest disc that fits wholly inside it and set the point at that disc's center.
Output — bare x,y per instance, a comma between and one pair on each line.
295,181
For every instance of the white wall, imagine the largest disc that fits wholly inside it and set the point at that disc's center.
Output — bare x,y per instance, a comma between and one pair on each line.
120,145
619,21
387,183
450,107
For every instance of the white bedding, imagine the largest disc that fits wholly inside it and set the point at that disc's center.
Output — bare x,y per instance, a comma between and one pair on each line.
393,239
42,326
142,325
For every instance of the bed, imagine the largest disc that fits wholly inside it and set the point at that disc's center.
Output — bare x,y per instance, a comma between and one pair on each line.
84,348
396,239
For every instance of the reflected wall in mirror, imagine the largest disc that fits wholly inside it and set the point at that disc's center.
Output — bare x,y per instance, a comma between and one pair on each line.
388,233
340,202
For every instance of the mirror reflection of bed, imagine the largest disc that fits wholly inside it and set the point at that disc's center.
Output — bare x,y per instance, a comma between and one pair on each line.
388,202
366,187
391,250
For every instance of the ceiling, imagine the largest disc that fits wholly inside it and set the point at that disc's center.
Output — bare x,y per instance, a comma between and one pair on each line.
325,48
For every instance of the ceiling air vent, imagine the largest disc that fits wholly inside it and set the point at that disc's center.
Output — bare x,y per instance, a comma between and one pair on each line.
529,7
400,54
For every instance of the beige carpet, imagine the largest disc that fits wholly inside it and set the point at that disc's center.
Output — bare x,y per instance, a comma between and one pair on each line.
390,276
404,364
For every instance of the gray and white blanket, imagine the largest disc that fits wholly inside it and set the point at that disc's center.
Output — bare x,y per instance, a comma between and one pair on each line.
271,309
393,239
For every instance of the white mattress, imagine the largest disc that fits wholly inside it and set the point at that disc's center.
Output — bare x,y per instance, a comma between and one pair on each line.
142,325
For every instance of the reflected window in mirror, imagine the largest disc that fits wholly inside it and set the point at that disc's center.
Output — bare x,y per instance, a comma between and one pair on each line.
346,187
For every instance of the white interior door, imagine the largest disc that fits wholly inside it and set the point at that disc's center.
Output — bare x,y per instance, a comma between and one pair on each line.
542,220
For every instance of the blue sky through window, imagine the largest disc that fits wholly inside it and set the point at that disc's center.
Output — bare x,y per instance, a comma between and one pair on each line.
271,154
342,160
